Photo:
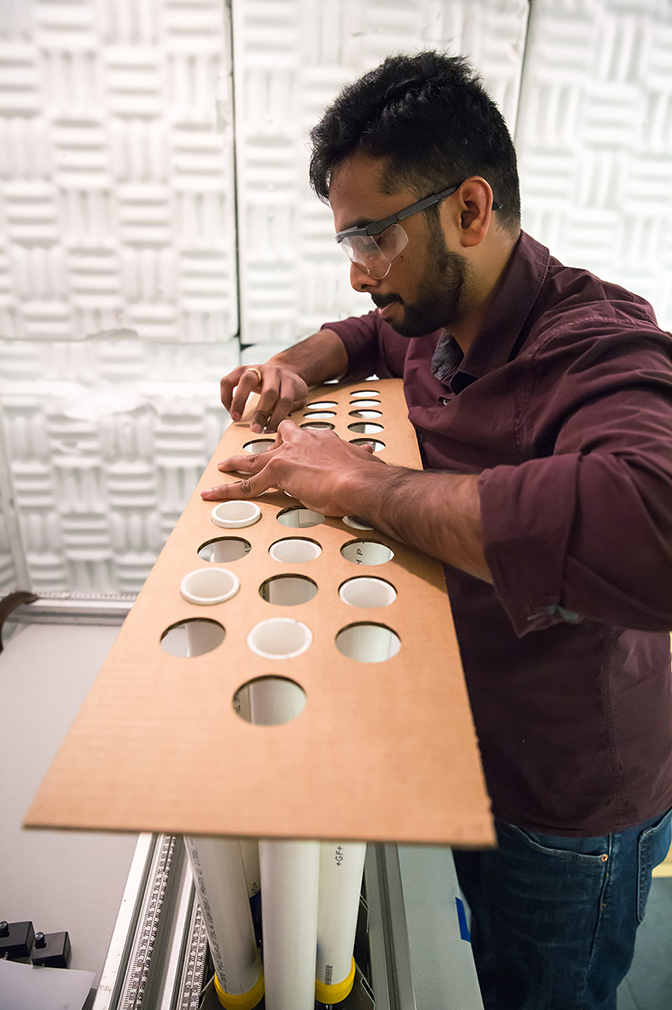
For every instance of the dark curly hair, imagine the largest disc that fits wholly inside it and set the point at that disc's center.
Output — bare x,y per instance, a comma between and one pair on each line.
431,118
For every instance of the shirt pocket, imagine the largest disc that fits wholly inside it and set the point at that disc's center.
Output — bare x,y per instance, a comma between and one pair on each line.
652,847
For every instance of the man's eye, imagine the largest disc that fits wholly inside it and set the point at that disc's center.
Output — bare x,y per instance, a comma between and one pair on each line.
385,240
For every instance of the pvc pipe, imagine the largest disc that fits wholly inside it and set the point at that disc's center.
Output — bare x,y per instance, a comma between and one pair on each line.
259,445
207,586
289,885
235,514
321,405
224,549
279,638
364,403
295,550
275,701
288,590
368,643
341,869
316,415
203,636
367,552
367,592
299,518
362,394
289,879
366,427
217,867
365,413
249,849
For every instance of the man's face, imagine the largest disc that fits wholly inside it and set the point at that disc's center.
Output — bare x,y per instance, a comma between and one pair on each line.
424,287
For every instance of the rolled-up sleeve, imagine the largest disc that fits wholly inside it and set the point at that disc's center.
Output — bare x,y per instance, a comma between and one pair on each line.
586,531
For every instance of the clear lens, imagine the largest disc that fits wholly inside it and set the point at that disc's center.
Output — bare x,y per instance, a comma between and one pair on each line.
375,255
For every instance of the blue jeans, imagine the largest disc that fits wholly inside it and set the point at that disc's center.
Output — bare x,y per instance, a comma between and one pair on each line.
554,918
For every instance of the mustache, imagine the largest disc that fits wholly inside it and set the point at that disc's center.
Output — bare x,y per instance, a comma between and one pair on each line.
380,301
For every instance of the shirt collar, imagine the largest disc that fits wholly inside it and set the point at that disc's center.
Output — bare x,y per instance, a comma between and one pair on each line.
524,275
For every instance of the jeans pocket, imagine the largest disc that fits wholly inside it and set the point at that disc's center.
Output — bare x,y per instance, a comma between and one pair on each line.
566,848
652,847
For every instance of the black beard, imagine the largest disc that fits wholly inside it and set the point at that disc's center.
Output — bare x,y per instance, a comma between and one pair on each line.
438,301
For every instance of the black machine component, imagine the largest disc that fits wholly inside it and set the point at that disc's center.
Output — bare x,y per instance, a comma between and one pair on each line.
51,950
16,940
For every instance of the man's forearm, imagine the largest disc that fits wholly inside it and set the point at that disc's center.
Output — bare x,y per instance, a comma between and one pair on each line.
434,512
316,359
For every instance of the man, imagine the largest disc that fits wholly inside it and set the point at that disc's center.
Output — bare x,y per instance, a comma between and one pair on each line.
542,400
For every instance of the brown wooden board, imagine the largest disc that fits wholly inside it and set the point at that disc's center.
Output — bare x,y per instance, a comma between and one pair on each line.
383,751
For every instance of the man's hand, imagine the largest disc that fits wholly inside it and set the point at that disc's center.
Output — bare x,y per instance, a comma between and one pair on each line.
317,467
281,391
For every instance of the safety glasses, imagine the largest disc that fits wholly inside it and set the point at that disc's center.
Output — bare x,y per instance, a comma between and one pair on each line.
375,246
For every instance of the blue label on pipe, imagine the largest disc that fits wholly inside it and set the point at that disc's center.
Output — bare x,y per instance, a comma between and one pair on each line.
462,919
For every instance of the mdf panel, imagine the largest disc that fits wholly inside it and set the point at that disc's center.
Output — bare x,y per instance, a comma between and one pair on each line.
158,744
594,139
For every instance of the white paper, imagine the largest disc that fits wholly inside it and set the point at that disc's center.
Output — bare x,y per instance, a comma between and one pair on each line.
25,987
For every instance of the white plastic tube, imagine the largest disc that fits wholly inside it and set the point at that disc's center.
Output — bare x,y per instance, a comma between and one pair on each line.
203,636
208,586
219,879
368,643
289,887
341,869
289,880
367,592
294,550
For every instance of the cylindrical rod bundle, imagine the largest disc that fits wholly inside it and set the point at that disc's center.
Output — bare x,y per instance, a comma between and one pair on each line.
341,869
219,879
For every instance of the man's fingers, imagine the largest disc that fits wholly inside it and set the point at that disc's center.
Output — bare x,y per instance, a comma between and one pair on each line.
251,487
249,463
283,405
228,384
248,382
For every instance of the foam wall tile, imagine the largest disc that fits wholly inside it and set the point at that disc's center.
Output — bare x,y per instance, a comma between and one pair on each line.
290,59
594,138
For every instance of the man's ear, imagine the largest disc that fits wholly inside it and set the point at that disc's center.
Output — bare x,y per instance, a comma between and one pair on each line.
472,211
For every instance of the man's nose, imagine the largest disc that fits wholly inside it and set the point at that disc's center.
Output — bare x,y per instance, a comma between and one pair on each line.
360,280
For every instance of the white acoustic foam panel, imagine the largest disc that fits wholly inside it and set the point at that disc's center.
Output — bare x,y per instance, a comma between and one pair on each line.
594,139
118,287
291,57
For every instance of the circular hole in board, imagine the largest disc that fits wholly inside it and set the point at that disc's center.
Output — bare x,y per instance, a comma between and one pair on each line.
299,518
235,514
193,637
376,443
318,415
269,701
321,405
279,638
367,591
223,549
318,424
364,403
368,643
259,445
366,552
366,427
207,586
288,590
295,550
365,413
362,394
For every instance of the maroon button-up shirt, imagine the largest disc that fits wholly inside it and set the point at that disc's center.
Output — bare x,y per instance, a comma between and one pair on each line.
563,405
